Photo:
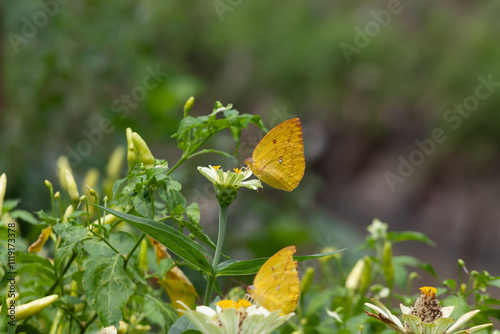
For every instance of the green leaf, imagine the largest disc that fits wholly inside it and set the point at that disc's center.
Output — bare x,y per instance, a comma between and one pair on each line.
450,283
175,200
46,218
121,240
32,265
24,215
165,265
182,326
107,289
159,312
248,267
157,173
118,183
70,300
430,269
193,213
70,236
410,236
193,225
142,203
9,204
206,151
174,240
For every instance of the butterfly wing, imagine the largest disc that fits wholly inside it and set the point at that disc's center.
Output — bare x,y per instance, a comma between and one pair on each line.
277,285
278,160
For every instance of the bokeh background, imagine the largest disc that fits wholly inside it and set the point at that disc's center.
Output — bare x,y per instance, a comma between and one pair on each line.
65,71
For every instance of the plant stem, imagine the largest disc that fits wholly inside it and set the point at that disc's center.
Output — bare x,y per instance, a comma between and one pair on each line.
187,156
218,251
61,274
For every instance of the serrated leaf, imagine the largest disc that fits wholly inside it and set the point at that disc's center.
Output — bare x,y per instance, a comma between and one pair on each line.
107,289
174,240
248,267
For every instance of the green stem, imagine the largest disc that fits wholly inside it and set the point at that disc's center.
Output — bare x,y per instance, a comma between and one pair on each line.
222,234
188,156
218,251
61,274
91,320
106,242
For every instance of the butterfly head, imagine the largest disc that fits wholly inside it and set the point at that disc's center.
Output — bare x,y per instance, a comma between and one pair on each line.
251,289
249,161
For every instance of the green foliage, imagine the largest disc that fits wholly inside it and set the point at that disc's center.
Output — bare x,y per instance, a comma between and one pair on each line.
102,273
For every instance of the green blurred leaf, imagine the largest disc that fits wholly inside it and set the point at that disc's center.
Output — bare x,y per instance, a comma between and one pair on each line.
107,289
410,236
9,204
165,265
67,299
24,215
47,218
234,267
174,240
450,283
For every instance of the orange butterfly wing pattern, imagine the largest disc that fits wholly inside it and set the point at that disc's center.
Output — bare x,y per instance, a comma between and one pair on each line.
278,160
277,286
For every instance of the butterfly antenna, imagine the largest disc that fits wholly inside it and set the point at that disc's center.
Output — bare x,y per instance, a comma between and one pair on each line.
239,282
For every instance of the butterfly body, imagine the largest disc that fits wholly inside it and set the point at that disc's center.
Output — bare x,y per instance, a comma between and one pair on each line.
278,160
277,286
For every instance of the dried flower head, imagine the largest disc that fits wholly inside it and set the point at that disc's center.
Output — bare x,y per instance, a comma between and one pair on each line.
427,316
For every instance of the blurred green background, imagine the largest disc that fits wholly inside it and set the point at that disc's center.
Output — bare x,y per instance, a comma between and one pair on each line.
69,66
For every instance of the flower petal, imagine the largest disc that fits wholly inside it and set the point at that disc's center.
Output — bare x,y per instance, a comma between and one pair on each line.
428,328
230,318
442,324
206,311
388,314
405,309
263,324
209,173
462,320
474,329
447,311
204,323
413,322
251,184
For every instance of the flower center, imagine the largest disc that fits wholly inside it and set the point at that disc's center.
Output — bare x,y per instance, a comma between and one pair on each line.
427,306
227,303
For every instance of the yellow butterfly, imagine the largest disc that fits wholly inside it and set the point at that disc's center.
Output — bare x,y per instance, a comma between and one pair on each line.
278,159
277,286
